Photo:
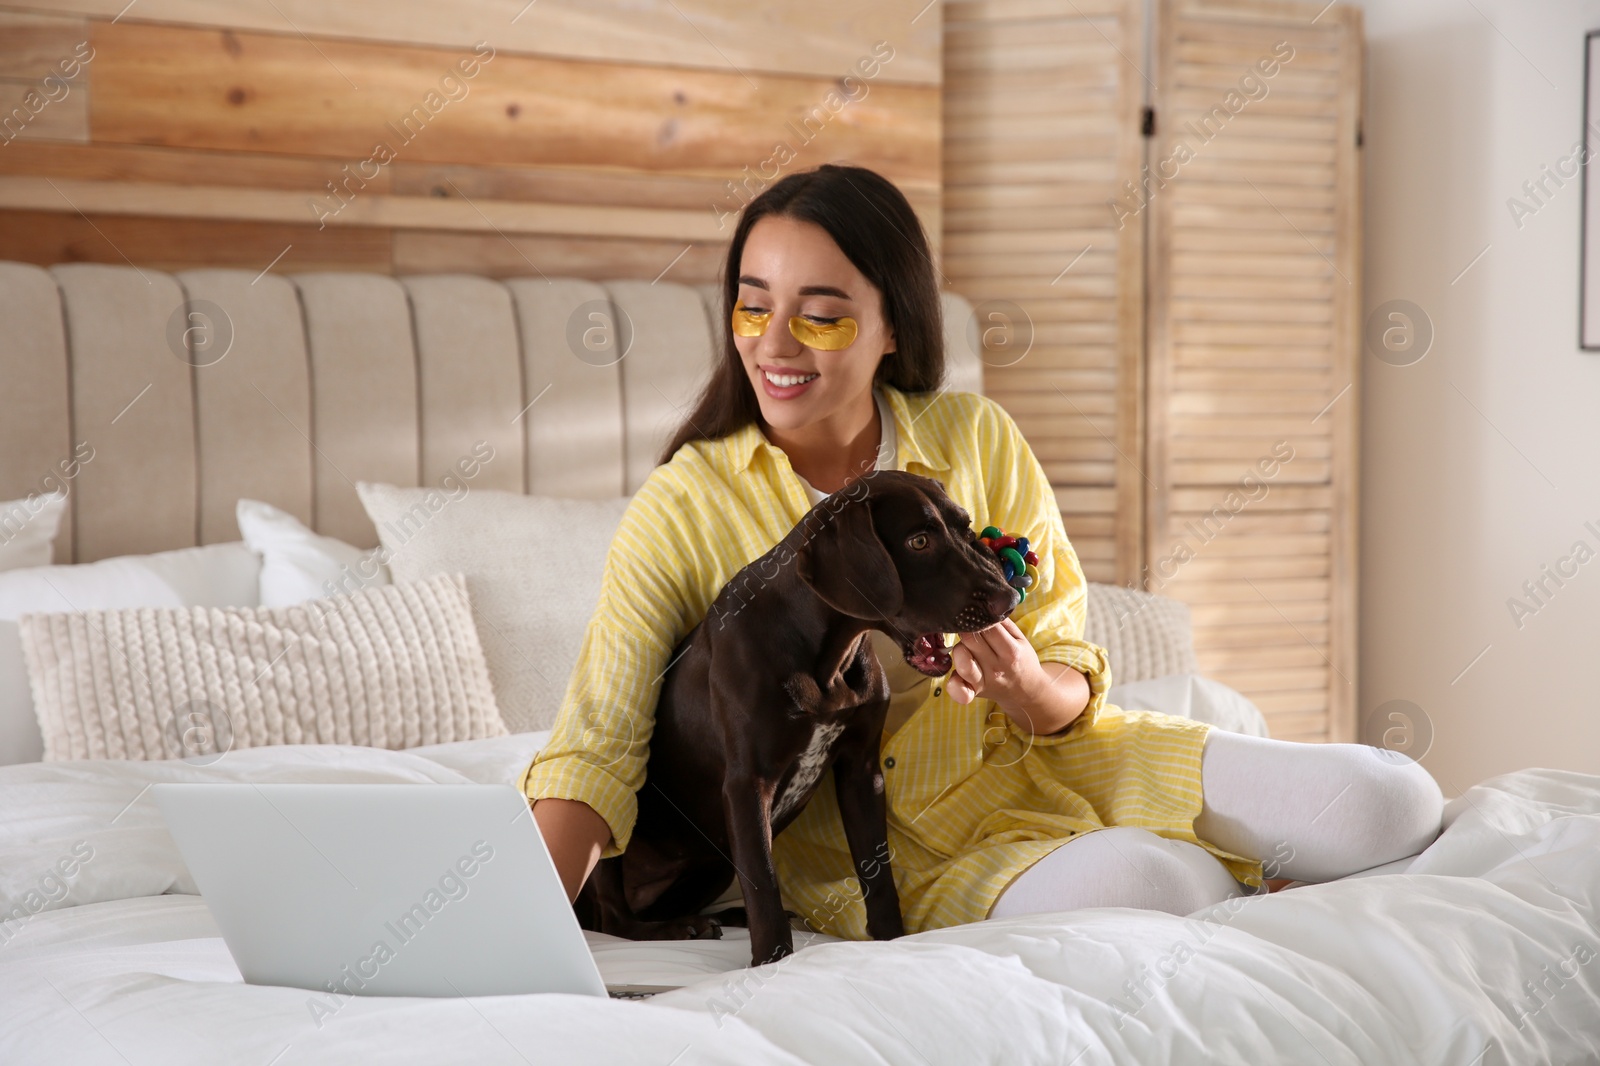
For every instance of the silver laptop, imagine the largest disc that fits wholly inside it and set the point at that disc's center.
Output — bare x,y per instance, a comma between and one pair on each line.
384,890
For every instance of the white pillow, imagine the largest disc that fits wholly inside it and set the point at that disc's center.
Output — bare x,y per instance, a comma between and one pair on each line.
298,565
1192,696
217,575
529,588
28,529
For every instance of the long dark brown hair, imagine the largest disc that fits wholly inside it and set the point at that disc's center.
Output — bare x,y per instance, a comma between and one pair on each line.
873,225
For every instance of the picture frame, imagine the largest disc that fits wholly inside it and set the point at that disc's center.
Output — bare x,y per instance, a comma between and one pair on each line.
1589,226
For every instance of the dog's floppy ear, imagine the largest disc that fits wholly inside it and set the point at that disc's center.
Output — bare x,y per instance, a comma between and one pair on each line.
846,564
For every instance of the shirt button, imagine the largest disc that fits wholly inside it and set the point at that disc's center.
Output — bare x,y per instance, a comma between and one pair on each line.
936,690
889,762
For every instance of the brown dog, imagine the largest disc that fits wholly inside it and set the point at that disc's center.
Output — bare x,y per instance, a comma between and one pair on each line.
775,685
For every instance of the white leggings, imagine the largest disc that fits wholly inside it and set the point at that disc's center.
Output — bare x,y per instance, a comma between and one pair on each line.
1311,812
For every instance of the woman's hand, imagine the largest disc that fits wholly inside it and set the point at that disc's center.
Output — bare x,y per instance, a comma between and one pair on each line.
996,663
1000,664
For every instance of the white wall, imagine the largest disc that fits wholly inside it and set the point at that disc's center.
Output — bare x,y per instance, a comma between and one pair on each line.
1481,462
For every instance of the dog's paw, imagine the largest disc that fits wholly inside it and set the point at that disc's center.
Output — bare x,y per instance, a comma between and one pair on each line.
693,927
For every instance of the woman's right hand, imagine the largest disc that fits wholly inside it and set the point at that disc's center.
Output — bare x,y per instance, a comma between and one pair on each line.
575,834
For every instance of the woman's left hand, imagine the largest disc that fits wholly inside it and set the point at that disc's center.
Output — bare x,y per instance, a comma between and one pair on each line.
996,663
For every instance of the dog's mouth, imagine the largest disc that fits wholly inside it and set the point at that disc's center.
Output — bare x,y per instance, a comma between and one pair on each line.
928,655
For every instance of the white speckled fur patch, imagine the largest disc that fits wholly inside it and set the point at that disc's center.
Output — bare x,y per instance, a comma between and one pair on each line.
807,768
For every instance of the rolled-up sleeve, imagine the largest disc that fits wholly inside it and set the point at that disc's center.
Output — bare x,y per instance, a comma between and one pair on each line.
1022,502
600,742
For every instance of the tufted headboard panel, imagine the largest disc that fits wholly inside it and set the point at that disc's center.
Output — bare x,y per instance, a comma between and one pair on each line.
160,399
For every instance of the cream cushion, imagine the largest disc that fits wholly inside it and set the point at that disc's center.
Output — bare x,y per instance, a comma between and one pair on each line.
392,667
1145,635
533,565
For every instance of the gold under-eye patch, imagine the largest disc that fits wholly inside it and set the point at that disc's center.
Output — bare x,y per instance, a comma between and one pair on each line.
823,336
747,323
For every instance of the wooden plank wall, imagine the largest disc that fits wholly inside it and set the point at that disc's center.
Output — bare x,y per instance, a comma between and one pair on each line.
1041,123
496,137
1254,289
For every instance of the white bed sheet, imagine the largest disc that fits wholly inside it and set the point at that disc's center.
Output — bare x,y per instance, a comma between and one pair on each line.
1482,952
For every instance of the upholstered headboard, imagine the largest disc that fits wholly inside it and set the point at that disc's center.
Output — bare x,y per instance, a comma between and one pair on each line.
161,399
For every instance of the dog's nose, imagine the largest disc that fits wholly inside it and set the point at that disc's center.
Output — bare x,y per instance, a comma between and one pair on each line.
1000,603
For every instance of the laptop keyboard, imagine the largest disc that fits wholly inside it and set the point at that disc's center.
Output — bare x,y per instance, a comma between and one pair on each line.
625,990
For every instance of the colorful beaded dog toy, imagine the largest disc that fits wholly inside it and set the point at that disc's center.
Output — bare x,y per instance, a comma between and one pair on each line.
1020,564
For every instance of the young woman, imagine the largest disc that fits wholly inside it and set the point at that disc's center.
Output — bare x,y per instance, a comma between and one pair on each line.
1012,786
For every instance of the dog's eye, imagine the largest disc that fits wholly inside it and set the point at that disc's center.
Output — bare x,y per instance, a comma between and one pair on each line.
917,541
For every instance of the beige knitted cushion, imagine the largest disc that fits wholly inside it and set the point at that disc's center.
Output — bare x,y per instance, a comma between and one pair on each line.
1144,635
391,667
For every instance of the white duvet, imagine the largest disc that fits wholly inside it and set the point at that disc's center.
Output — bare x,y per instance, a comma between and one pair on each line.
1482,953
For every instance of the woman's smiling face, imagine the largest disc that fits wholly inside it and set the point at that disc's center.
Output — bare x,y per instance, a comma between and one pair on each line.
793,268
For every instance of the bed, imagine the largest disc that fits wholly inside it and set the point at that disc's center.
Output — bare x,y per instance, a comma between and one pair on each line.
1476,951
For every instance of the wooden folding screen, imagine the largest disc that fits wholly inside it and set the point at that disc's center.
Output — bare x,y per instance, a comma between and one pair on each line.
1192,387
1041,130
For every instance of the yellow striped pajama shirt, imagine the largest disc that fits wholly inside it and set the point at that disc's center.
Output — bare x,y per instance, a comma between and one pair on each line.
973,798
